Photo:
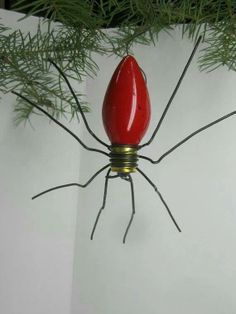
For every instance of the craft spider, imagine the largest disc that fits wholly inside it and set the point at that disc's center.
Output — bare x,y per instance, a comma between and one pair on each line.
123,158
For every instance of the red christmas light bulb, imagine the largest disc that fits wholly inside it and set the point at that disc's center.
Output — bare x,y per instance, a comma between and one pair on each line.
126,106
126,114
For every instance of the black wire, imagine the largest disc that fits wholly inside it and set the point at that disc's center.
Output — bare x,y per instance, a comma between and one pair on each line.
144,75
173,94
103,203
60,124
161,197
133,205
72,184
127,178
78,104
188,138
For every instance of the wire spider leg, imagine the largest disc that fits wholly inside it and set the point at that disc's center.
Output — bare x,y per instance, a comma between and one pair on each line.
60,124
173,94
72,184
188,138
129,179
161,197
78,104
103,202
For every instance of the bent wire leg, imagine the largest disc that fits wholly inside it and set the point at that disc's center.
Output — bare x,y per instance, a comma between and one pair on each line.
173,94
161,197
60,124
129,179
72,184
103,202
188,138
78,104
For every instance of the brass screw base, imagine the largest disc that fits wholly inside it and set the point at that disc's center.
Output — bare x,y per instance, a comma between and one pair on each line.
123,158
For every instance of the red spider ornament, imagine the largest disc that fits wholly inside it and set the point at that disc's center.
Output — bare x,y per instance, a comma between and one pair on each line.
126,115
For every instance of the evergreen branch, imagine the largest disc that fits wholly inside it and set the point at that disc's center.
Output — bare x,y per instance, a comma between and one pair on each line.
221,47
78,33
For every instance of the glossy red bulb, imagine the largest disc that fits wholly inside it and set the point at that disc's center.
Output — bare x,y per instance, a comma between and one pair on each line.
126,107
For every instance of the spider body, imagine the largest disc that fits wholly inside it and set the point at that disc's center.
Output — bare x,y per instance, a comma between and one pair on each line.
123,158
126,115
126,107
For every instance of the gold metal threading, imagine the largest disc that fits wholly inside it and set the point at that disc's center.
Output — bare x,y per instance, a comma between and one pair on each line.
123,158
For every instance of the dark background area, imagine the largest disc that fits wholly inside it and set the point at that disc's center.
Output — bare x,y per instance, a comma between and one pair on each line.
10,5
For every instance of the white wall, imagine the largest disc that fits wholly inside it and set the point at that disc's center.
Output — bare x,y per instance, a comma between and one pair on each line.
43,267
36,237
159,270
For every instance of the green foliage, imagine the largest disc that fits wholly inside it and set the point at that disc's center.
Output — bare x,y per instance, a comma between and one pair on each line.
78,30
